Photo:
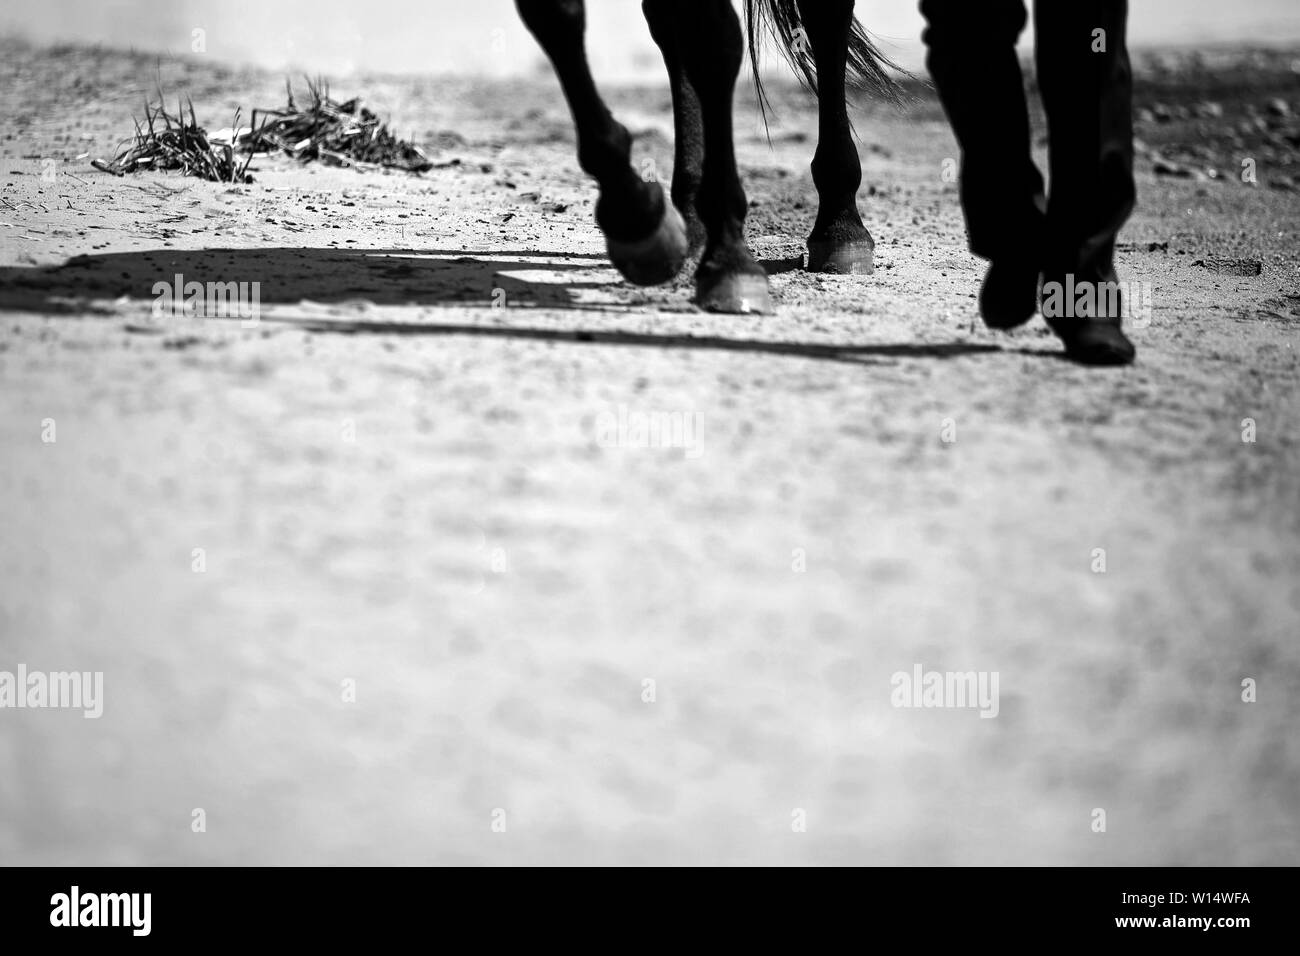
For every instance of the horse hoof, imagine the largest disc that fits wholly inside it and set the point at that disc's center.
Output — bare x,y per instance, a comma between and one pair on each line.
737,293
842,258
658,257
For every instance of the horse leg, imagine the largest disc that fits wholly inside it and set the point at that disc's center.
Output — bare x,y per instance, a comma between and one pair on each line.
688,137
711,44
645,235
839,241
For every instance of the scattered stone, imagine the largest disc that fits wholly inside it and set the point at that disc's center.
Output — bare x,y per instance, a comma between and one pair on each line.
1224,266
1165,167
778,265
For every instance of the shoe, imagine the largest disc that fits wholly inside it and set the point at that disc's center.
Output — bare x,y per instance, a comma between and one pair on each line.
1009,296
1097,342
1095,337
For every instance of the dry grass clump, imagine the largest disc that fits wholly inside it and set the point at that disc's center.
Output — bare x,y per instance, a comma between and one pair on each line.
172,142
325,130
344,134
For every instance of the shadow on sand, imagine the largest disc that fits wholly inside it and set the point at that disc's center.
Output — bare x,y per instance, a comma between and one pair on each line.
403,277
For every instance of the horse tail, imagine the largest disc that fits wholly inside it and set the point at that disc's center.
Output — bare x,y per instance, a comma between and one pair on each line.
868,68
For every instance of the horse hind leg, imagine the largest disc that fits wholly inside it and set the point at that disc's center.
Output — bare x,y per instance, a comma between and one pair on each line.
644,233
839,242
688,122
711,45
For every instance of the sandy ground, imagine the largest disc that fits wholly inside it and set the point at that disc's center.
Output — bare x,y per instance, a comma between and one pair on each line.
401,478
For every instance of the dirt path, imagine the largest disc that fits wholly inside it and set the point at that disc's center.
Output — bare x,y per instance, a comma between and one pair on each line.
405,478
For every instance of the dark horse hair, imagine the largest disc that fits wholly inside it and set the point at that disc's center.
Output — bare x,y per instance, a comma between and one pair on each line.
868,68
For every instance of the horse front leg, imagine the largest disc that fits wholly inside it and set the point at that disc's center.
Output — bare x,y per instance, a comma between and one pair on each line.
711,45
839,242
644,234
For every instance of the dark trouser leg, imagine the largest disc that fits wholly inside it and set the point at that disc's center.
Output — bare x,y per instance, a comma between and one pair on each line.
972,59
710,43
688,136
1083,71
647,240
1087,85
839,241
